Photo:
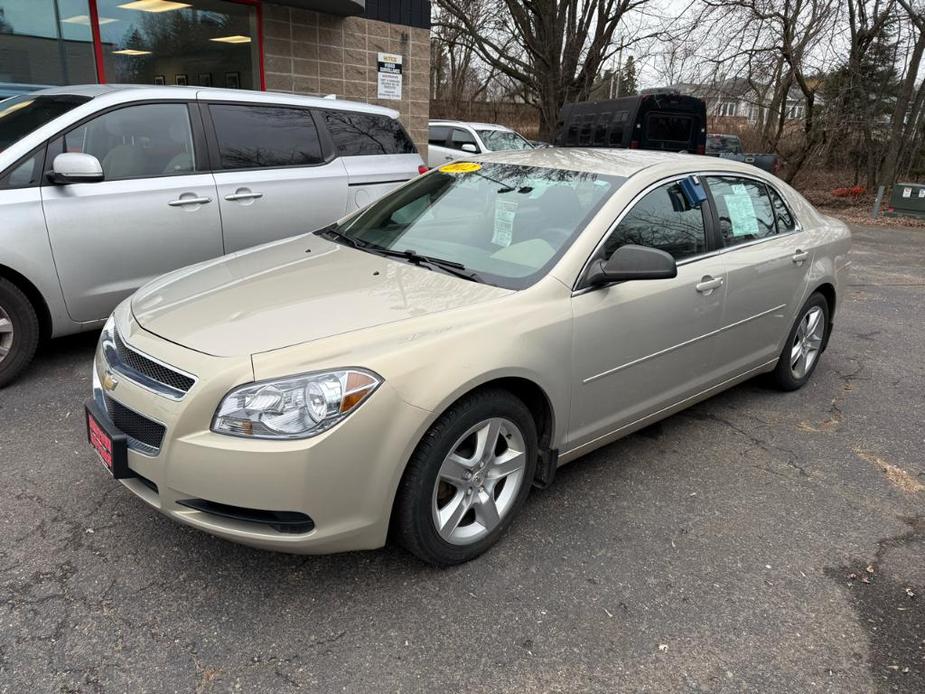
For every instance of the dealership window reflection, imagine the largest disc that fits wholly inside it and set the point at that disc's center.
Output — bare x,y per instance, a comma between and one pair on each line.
197,42
45,42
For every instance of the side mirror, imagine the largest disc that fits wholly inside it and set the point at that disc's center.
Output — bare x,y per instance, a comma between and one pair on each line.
73,167
470,148
632,262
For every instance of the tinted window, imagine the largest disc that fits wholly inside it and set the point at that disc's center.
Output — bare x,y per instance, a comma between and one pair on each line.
358,134
138,141
669,128
785,220
21,115
663,219
437,134
252,137
462,137
744,209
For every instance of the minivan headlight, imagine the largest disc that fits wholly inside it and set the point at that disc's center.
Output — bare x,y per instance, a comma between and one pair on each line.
295,407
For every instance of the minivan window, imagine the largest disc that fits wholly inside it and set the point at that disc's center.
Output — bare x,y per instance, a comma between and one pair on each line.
665,220
141,141
251,137
743,207
22,114
360,134
507,223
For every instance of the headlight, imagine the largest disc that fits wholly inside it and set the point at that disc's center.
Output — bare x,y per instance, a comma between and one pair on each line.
296,407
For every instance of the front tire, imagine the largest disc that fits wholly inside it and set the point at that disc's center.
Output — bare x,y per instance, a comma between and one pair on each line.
19,332
467,479
801,351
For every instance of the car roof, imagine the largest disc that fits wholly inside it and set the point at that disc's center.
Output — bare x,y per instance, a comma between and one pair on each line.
142,91
471,124
613,162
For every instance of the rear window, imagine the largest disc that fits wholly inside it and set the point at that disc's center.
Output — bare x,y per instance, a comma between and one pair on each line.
364,134
251,137
665,127
21,115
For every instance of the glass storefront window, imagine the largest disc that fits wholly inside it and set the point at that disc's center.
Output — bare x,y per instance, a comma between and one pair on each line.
45,42
199,42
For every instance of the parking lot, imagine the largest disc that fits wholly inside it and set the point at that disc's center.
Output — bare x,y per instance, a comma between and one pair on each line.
760,541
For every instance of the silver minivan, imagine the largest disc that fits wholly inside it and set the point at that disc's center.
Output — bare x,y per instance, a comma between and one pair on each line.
105,187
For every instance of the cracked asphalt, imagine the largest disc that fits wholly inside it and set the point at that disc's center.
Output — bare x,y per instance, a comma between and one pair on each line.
757,542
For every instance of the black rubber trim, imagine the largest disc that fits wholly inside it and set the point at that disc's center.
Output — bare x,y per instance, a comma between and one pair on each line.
377,183
292,522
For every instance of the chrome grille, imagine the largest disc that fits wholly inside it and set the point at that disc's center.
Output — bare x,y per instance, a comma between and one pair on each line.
146,434
155,371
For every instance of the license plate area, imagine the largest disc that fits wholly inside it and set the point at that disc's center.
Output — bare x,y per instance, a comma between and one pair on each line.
110,445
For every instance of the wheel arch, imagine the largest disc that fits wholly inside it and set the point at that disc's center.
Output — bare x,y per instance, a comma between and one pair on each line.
42,312
827,289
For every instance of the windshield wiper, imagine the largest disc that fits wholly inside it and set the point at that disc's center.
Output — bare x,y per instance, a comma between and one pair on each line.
332,231
449,266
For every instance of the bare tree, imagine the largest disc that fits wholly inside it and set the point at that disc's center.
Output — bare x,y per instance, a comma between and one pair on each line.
553,48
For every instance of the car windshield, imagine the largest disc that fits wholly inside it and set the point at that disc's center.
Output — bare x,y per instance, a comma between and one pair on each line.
20,115
500,140
506,223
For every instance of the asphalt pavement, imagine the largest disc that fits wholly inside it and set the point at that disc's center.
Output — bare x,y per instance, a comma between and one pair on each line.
757,542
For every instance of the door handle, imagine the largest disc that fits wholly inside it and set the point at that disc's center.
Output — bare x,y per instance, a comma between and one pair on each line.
243,196
799,256
707,284
179,202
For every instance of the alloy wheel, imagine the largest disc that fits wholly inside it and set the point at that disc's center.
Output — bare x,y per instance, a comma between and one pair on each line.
6,334
479,481
807,342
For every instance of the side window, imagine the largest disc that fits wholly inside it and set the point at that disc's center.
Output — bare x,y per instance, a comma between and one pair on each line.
140,141
663,219
361,134
461,137
437,134
785,220
25,173
253,137
743,207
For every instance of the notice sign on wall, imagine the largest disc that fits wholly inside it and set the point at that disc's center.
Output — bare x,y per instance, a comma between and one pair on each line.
389,76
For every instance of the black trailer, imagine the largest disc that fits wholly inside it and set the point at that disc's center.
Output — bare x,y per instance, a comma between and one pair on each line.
665,121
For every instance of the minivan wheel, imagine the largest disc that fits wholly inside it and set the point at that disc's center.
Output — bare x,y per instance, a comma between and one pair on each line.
19,331
467,479
801,351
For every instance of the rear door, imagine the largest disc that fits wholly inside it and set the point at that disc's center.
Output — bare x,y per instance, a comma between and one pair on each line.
155,211
376,151
768,260
273,178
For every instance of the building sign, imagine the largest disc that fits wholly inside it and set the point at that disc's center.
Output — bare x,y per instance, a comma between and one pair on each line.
389,76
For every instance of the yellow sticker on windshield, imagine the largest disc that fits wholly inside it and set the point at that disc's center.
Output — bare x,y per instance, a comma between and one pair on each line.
460,167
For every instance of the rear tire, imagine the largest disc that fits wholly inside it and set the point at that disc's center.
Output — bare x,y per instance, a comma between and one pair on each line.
19,332
803,347
467,479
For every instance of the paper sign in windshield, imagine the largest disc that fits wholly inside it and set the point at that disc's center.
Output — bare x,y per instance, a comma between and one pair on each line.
504,222
460,167
742,215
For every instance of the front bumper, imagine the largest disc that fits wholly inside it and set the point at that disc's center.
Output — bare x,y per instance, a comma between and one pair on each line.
343,480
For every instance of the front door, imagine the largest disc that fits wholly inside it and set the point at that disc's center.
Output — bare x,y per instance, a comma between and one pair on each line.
155,210
642,346
768,260
272,179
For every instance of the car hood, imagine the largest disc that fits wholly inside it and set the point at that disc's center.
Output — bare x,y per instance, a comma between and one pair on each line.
294,291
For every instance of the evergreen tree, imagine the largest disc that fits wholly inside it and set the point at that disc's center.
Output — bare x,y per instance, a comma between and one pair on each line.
628,78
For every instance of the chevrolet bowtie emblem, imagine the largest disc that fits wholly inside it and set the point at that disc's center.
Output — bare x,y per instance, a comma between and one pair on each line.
109,381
